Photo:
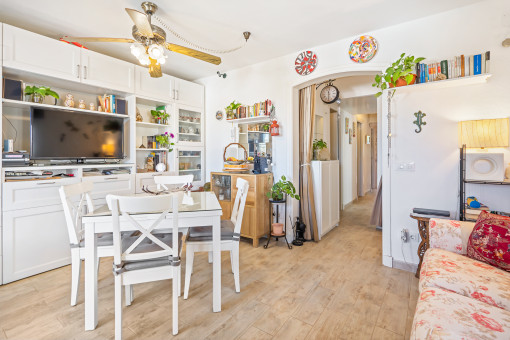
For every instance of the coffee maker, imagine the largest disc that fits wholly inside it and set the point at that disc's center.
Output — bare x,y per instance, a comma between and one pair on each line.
261,164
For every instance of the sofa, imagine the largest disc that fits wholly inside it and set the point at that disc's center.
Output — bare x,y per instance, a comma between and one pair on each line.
460,298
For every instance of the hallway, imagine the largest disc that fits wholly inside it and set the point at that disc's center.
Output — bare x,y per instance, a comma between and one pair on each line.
334,289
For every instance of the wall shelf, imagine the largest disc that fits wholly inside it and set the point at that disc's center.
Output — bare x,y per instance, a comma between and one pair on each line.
152,124
440,84
259,119
149,149
20,104
192,123
190,170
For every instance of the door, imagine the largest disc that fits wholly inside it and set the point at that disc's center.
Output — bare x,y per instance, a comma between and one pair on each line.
190,123
189,93
31,52
156,88
104,71
34,240
191,162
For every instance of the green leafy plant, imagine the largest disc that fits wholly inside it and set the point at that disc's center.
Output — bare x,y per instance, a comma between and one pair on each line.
159,115
231,109
41,91
165,141
282,188
403,68
319,144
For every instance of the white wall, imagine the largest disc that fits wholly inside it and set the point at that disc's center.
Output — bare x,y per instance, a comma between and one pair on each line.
467,30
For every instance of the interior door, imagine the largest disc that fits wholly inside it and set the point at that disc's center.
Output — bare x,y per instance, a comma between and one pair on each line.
104,71
31,52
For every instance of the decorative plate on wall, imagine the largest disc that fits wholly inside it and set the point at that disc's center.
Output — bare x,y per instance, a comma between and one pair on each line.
306,62
363,49
219,115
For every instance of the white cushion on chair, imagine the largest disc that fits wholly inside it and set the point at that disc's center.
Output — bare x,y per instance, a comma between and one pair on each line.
148,246
205,233
105,239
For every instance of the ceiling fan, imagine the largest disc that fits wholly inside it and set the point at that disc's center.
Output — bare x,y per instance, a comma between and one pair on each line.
149,41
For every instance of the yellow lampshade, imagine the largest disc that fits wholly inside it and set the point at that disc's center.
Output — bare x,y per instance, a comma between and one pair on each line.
485,133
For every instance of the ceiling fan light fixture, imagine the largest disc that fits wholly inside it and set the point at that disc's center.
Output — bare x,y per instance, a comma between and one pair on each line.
156,51
162,60
137,50
144,59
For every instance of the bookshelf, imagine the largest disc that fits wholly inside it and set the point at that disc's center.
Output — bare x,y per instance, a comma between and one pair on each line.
441,84
249,120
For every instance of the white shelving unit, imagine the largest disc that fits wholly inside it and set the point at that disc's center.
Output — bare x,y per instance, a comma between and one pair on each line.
250,120
439,84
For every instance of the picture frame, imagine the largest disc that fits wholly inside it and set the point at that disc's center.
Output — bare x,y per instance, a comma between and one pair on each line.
350,136
346,125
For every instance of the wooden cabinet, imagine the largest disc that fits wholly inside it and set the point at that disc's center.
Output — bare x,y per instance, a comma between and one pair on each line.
104,71
156,88
256,211
35,53
188,93
326,190
34,241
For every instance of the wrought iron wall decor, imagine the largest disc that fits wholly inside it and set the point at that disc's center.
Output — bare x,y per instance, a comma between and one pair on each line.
419,120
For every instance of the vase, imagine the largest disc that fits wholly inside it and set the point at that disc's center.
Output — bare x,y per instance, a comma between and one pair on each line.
402,82
69,102
37,98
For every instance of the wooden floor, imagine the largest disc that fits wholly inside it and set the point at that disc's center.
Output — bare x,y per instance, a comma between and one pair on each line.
334,289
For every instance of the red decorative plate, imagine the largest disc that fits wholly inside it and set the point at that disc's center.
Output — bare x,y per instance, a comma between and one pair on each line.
306,62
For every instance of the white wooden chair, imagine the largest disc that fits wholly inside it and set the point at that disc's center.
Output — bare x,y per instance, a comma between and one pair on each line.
163,181
75,197
150,256
199,239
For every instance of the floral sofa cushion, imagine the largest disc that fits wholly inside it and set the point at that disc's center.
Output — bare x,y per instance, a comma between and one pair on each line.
441,314
445,234
465,276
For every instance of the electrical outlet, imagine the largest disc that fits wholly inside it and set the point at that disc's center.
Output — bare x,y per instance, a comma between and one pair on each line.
414,237
406,166
404,235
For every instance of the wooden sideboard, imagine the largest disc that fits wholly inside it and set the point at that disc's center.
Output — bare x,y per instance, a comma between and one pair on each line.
256,211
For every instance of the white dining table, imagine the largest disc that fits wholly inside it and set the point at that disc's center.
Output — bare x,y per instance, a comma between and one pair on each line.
205,211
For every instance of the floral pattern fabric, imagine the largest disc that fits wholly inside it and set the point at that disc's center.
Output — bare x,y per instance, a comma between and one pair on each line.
465,276
490,240
445,234
441,314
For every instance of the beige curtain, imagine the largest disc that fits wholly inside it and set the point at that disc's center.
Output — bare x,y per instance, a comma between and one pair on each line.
306,127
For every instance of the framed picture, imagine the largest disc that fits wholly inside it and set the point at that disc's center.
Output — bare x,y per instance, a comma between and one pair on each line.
354,129
346,125
350,136
367,141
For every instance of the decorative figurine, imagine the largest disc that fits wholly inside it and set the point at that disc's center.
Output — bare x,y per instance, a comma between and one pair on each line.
69,102
81,104
92,107
99,108
139,117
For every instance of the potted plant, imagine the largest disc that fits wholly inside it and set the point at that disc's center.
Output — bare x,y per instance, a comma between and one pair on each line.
278,193
400,73
318,145
231,110
159,116
38,93
165,141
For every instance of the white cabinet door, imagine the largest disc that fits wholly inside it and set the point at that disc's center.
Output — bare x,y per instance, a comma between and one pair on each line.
190,125
189,93
31,52
334,182
34,241
155,88
111,184
190,161
107,72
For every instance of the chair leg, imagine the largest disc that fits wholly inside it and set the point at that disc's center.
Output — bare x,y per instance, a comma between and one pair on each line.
232,262
210,257
75,275
235,258
179,282
118,307
190,256
128,294
98,261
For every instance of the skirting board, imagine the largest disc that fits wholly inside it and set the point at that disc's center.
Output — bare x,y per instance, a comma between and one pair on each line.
409,267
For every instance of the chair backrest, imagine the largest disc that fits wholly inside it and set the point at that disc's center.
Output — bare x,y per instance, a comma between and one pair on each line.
74,198
236,217
127,206
163,181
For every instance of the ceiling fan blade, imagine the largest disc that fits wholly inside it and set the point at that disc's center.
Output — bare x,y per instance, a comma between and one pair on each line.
194,53
141,22
93,39
155,69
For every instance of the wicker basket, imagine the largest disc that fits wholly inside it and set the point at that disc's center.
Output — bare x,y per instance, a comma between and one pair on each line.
239,162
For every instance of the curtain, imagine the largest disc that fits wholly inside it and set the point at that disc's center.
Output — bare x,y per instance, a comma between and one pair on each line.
306,127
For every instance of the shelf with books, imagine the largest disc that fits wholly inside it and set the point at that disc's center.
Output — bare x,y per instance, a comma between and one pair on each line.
259,119
261,109
454,82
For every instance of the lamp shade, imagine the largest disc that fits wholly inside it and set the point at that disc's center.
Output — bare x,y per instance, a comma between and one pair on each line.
485,133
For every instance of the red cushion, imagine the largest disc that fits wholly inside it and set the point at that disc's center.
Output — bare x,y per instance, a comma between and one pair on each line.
489,241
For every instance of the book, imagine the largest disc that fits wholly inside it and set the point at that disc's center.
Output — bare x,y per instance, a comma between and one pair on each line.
483,63
477,64
444,68
471,65
488,62
462,66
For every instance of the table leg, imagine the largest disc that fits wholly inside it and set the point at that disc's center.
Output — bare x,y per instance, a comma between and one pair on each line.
90,277
216,265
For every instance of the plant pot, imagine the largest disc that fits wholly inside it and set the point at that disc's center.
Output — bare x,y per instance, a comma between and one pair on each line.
277,228
315,154
37,98
402,82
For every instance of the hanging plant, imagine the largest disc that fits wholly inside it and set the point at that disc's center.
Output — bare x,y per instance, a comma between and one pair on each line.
400,73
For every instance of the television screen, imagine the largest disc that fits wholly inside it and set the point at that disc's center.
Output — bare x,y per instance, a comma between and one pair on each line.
65,134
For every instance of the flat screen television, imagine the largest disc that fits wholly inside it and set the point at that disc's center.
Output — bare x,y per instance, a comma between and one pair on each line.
65,134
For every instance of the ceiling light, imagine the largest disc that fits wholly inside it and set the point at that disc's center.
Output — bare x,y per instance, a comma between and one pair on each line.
144,59
156,51
137,50
162,60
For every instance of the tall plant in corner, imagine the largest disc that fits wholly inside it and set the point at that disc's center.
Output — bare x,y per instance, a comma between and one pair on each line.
400,73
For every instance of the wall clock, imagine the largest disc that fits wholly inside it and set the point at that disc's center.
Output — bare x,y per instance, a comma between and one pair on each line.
330,94
363,49
306,62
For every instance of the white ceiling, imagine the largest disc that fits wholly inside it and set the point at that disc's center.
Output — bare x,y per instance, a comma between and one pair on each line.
278,27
